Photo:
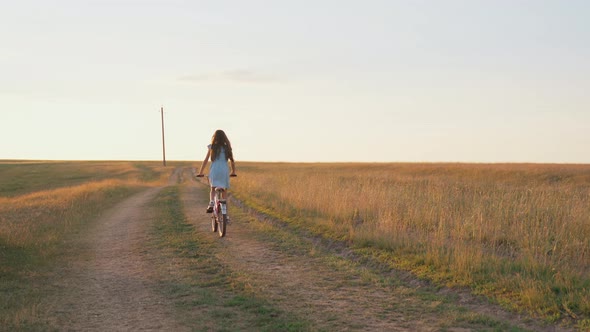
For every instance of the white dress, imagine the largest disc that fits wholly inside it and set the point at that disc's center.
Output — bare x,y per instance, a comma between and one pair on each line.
219,171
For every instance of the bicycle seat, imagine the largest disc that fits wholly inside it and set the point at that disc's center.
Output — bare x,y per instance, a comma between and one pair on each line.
219,189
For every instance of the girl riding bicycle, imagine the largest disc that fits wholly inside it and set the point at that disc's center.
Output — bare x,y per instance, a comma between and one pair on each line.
220,152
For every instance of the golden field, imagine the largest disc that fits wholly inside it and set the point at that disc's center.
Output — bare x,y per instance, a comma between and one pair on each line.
517,233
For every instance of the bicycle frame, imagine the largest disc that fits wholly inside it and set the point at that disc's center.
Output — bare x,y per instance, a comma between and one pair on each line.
219,217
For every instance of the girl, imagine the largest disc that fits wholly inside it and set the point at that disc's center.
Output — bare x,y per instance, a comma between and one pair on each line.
220,152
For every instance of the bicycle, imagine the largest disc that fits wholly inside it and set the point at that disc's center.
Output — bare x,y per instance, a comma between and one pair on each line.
219,218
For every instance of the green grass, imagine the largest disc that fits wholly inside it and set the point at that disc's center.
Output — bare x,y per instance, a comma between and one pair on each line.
208,294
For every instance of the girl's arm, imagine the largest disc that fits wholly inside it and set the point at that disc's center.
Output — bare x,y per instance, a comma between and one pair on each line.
205,162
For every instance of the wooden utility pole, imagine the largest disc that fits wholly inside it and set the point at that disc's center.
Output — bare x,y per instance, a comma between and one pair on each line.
163,144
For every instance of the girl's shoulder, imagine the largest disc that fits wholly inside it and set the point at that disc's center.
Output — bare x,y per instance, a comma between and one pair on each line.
209,146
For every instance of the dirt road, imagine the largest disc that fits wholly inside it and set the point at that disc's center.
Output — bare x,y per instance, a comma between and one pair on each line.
111,285
107,286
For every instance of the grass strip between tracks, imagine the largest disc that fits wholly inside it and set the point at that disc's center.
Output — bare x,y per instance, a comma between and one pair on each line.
206,294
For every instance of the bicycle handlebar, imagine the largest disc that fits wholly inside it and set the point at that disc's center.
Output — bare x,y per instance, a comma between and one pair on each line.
202,175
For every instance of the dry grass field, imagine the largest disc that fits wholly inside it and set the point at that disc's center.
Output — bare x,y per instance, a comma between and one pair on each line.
517,233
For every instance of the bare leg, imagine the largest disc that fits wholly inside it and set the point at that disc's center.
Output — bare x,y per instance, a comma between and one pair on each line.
211,197
212,194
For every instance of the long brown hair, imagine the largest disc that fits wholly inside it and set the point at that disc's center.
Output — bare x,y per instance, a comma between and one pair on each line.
218,141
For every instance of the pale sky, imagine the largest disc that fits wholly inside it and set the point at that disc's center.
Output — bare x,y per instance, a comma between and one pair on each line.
368,81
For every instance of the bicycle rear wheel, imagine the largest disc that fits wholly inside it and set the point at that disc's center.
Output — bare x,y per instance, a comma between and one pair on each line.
222,225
